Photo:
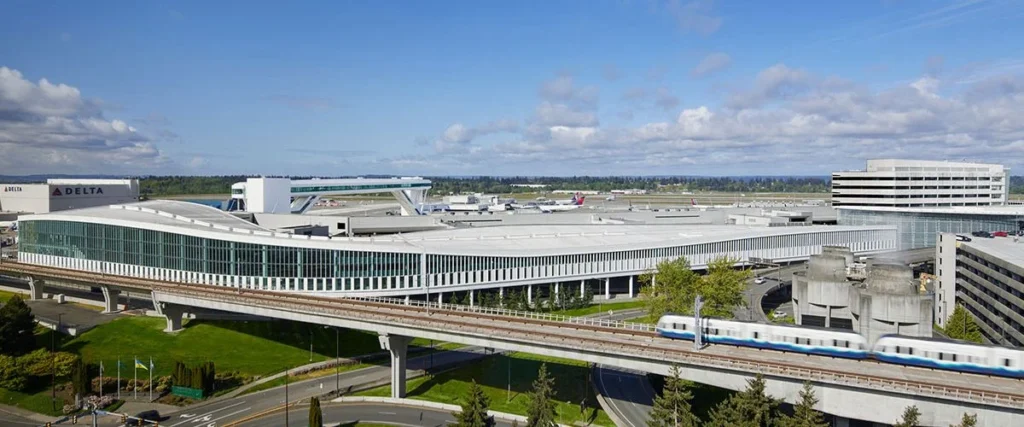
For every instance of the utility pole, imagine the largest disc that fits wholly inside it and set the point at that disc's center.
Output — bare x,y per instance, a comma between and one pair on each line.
698,331
337,357
286,398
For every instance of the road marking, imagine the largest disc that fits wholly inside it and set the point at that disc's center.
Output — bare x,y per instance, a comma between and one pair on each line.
387,413
208,414
213,422
611,402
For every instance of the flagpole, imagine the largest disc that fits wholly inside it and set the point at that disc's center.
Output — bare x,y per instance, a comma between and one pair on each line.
118,377
135,385
150,378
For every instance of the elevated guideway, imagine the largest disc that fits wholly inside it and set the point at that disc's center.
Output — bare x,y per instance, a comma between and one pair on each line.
845,387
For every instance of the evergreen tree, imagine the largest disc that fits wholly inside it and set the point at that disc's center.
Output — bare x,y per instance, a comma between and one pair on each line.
316,415
967,421
17,327
80,379
961,326
454,300
910,417
474,409
541,409
748,408
672,408
804,414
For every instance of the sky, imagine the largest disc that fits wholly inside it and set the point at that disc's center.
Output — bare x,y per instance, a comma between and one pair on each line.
462,87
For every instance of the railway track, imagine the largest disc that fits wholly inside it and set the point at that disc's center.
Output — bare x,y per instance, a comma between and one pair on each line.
640,344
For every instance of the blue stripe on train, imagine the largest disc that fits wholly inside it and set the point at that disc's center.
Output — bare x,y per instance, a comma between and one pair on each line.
770,345
851,354
952,366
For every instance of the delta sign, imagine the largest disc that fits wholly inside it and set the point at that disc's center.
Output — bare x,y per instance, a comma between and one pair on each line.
76,191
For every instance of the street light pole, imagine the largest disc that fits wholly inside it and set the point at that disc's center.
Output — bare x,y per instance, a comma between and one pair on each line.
53,363
337,357
311,344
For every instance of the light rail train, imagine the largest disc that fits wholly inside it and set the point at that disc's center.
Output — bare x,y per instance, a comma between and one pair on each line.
923,352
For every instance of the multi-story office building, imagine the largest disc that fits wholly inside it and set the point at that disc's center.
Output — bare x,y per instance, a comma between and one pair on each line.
986,276
923,198
921,183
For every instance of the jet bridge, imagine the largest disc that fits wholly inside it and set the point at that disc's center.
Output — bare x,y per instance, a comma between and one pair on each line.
283,195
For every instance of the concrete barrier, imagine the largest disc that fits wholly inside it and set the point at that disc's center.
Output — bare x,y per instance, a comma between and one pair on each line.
444,407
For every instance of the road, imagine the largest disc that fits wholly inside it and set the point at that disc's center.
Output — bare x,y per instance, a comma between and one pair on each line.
362,412
231,410
628,394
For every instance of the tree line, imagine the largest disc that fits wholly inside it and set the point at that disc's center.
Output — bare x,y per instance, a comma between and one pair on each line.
184,185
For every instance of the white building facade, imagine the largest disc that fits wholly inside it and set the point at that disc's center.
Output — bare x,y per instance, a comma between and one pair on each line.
63,194
921,183
180,241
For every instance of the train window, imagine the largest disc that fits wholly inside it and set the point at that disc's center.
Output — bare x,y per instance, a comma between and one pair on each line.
898,350
954,357
757,335
1006,363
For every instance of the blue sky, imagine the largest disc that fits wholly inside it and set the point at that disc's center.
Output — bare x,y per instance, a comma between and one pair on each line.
509,88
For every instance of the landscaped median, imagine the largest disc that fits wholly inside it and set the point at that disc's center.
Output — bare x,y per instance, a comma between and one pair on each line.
571,377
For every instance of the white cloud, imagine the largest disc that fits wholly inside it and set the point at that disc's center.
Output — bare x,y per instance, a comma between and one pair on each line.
563,89
772,84
548,114
788,118
711,64
695,16
46,127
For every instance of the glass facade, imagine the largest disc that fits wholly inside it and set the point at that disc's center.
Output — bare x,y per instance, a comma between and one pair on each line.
222,261
919,230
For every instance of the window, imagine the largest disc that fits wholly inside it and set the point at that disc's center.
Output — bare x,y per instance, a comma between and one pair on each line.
757,335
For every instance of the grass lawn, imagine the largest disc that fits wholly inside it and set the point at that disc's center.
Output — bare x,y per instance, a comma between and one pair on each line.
4,295
255,348
601,308
572,385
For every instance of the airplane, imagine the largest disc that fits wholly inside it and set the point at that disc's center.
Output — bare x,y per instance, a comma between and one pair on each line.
575,203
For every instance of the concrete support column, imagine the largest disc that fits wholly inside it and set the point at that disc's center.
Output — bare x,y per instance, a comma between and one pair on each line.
398,346
35,287
583,288
173,313
607,288
529,295
440,299
472,299
556,291
631,286
654,281
110,299
501,296
406,300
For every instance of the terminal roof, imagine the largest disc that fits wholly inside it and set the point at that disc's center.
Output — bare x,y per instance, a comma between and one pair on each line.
204,221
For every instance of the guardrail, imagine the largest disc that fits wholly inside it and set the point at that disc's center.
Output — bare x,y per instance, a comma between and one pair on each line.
604,323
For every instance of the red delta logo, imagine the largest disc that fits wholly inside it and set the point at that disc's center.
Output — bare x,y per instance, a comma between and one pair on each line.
77,191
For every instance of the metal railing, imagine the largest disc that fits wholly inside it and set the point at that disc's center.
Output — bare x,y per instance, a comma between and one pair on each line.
497,311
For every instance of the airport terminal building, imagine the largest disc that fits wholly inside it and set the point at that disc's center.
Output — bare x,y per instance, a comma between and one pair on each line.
181,241
63,194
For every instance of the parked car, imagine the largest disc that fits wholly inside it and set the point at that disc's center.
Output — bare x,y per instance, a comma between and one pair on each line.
1000,234
981,234
962,238
150,415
